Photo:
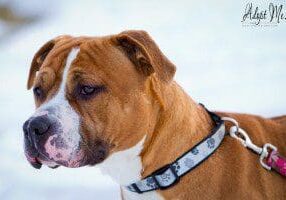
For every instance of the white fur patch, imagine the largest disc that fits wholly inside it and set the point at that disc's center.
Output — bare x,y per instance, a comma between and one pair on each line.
125,167
68,119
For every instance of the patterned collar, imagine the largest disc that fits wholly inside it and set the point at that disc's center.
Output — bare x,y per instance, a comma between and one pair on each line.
170,174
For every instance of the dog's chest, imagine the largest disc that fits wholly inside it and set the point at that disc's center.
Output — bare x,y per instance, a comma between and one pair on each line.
125,167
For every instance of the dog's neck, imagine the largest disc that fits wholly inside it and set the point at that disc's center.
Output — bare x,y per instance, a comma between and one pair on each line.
180,124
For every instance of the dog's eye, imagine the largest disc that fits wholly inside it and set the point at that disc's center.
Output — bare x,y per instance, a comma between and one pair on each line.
38,92
87,90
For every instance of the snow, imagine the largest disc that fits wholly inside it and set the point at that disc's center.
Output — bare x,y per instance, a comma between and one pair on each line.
219,62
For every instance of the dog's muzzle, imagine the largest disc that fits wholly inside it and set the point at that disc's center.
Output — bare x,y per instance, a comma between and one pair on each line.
47,143
47,140
35,131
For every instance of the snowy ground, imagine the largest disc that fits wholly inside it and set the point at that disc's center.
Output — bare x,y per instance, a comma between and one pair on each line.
219,62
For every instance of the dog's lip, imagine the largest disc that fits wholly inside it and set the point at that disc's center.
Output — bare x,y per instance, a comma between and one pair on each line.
35,163
43,160
38,159
39,162
54,167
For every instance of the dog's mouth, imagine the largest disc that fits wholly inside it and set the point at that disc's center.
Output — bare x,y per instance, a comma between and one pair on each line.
39,157
55,147
35,157
53,157
38,161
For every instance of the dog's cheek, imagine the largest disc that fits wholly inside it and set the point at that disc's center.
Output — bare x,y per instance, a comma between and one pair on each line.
95,116
96,142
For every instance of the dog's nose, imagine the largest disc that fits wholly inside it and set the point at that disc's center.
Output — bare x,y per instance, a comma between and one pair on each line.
37,126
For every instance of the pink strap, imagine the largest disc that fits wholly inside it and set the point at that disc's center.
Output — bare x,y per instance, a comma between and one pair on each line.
277,162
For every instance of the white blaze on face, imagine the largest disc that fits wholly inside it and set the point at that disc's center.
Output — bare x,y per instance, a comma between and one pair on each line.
63,145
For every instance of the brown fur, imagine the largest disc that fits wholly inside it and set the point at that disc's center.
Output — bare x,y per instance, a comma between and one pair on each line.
141,98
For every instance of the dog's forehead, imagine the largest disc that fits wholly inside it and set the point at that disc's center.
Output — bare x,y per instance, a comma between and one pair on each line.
98,59
57,56
90,48
52,68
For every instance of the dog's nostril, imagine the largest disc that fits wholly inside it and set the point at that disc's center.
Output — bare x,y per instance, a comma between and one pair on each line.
41,129
37,132
39,125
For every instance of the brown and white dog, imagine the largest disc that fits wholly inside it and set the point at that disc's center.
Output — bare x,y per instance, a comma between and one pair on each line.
112,101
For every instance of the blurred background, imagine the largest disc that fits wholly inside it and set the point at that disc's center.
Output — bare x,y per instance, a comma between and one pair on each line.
219,62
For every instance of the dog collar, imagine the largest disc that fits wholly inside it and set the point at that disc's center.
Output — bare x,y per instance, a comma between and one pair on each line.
170,174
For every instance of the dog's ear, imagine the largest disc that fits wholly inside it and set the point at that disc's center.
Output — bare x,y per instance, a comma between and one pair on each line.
145,54
38,61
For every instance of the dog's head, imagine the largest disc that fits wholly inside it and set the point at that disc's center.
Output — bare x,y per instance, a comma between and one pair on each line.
94,96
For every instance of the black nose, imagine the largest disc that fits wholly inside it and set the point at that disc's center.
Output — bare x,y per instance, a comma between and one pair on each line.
37,126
